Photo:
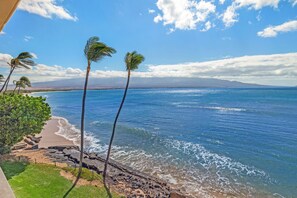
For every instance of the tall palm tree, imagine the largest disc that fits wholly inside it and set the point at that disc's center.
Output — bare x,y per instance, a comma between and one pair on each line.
94,51
22,83
132,60
23,60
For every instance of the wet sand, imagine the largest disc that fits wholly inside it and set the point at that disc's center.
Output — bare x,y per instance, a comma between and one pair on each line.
49,136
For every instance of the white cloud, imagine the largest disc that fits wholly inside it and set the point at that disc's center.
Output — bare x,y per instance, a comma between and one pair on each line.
28,38
46,8
230,16
294,2
208,25
273,31
276,69
34,55
4,58
2,33
194,14
257,4
151,11
278,65
184,14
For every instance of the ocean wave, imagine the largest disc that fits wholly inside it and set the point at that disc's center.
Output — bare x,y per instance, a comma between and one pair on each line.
187,177
211,160
185,91
70,132
225,108
194,105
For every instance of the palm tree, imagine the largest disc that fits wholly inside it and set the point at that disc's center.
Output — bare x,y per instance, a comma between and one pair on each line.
22,83
1,78
94,51
23,60
132,60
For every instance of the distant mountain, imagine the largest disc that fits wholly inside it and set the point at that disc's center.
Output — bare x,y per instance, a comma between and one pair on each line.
105,83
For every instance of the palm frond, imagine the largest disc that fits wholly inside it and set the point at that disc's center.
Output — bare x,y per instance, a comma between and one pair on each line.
23,65
28,62
89,43
100,50
24,55
1,78
133,60
95,50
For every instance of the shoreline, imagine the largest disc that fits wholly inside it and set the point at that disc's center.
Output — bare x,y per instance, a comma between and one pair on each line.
52,140
55,148
50,136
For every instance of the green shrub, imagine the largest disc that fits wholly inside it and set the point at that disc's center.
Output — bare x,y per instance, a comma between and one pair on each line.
21,115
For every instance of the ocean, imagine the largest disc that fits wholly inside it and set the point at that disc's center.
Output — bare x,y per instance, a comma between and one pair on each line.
207,142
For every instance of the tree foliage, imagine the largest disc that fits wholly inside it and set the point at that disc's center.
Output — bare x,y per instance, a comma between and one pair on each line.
21,115
1,78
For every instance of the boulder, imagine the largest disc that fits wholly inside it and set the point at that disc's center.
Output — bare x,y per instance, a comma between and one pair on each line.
20,145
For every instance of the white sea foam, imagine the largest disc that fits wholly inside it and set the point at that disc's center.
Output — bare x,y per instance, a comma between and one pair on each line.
195,181
196,92
70,132
195,105
209,159
225,108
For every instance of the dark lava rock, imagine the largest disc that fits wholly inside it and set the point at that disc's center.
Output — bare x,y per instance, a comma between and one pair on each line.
142,185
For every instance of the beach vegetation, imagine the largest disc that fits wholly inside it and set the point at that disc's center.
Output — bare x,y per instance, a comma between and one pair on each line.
23,82
132,61
23,60
21,115
2,79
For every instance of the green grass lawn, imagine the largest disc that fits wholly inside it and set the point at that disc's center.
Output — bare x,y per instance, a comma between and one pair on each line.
40,180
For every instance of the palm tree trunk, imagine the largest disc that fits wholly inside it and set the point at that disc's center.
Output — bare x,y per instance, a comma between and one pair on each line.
7,80
19,89
81,130
114,126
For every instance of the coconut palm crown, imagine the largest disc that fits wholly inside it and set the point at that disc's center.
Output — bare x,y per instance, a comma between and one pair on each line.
23,60
133,60
95,50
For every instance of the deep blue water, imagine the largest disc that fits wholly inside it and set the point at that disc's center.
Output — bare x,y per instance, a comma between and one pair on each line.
242,142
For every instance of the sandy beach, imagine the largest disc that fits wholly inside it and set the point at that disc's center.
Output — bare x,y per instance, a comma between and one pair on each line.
49,136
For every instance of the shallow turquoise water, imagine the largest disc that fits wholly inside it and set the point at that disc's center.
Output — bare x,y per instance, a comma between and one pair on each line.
238,141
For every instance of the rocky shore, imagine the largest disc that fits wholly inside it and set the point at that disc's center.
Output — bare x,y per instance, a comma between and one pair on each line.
125,180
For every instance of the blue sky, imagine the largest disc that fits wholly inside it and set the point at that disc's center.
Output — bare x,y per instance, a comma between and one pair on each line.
169,33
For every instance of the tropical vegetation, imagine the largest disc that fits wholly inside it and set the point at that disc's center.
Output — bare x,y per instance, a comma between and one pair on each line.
23,60
22,83
21,115
94,51
132,60
1,78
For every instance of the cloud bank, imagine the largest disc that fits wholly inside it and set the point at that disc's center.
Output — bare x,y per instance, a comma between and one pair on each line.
275,69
